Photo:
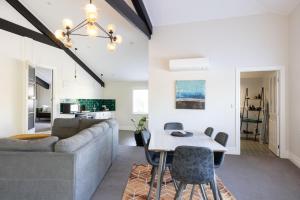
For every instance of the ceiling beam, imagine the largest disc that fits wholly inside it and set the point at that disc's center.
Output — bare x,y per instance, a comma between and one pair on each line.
42,83
142,12
25,32
43,29
124,9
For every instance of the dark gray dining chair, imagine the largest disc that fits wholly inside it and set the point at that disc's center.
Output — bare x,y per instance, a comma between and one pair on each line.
173,126
222,139
194,165
209,131
153,159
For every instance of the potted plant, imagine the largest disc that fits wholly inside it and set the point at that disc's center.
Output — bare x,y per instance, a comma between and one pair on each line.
139,127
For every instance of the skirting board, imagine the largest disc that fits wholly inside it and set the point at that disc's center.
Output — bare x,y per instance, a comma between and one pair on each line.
232,151
294,159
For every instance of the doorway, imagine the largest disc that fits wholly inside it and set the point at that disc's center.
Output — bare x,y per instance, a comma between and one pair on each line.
259,113
40,106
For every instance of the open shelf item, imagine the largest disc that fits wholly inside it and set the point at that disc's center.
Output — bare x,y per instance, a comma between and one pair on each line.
258,112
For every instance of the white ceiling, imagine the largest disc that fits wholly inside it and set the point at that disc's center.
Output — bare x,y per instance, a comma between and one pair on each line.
167,12
128,63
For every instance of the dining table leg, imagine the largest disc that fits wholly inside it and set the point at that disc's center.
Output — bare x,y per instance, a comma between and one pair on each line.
161,166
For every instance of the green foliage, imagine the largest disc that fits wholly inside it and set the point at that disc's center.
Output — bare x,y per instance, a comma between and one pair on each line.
140,125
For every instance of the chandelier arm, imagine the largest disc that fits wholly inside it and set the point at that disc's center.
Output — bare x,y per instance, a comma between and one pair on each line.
102,29
79,26
99,36
78,34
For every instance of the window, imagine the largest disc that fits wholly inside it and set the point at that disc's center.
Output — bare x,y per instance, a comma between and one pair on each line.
140,101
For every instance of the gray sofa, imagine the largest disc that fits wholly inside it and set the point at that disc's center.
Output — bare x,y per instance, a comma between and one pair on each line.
68,169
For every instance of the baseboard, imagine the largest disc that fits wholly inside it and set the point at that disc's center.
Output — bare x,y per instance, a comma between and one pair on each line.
284,154
294,159
232,151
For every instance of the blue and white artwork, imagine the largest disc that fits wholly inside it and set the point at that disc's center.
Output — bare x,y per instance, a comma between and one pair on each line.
190,94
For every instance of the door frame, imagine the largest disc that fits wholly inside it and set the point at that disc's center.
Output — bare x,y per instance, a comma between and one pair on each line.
25,94
281,135
52,92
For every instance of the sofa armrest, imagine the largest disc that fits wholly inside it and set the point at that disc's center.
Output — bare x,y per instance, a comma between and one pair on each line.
36,175
115,131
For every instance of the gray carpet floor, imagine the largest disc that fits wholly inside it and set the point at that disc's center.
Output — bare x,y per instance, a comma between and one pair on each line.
248,177
42,126
126,138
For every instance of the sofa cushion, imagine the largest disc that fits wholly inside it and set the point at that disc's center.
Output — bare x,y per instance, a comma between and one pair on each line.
65,128
40,145
87,123
112,123
75,142
98,128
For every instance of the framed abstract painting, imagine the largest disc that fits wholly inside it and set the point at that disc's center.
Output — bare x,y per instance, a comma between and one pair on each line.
190,94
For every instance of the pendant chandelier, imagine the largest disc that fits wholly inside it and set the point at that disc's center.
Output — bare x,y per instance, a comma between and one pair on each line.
92,28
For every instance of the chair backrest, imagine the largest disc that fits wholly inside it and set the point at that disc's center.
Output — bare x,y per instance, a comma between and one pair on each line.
173,126
209,131
146,136
193,165
222,139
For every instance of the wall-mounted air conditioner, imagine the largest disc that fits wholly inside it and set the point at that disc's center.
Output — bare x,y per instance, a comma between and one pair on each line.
189,64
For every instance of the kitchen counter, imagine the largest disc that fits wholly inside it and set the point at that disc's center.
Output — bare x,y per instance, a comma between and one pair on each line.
91,115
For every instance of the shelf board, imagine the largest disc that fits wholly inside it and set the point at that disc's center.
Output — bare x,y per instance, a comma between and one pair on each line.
251,110
252,120
255,110
253,99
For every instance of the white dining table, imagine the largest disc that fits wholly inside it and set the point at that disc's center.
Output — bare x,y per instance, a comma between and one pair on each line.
163,141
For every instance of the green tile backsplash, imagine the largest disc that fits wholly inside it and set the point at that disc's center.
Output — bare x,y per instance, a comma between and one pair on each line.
93,104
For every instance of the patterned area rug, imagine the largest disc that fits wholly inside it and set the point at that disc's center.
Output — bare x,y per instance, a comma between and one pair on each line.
137,186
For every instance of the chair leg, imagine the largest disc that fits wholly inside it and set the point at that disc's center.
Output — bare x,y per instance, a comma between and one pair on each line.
214,190
153,173
217,187
173,180
161,167
179,191
192,192
219,193
203,193
152,169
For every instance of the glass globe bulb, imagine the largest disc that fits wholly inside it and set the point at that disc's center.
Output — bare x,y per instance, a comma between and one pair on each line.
118,39
68,43
111,28
91,12
91,30
59,34
67,24
111,46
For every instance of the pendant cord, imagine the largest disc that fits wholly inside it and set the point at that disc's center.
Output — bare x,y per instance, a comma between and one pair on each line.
75,72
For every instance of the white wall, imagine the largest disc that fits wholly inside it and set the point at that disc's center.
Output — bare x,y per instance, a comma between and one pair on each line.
16,53
294,87
11,93
253,41
122,92
43,96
